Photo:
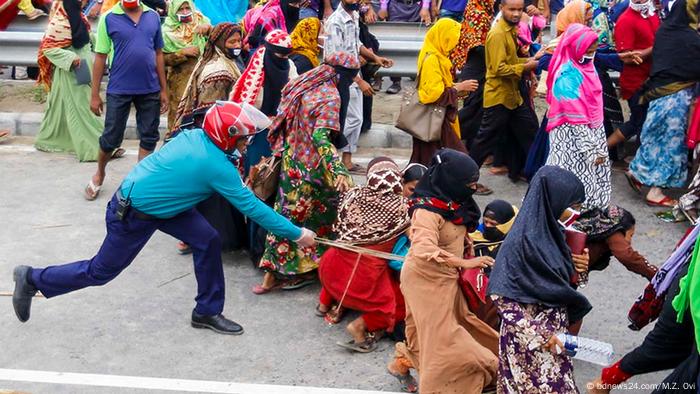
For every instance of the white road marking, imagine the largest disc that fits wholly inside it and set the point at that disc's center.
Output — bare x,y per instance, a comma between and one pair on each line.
31,148
146,383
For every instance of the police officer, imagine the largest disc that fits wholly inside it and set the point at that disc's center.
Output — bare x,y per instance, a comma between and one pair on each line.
160,193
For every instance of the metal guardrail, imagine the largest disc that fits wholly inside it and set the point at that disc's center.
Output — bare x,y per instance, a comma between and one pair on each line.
398,41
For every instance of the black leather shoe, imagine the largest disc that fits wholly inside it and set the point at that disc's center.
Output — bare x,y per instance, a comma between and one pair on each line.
24,292
217,323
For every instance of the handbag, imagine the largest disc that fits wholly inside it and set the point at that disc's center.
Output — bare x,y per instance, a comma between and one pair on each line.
473,283
422,121
265,177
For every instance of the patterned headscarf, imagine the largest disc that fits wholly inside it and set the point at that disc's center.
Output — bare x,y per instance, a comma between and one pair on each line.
250,83
476,25
67,27
289,118
178,35
213,61
305,39
376,212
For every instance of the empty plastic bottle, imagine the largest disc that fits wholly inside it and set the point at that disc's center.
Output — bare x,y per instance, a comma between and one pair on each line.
586,349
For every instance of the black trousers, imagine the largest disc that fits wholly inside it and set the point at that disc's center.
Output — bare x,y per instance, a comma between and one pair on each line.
668,345
502,127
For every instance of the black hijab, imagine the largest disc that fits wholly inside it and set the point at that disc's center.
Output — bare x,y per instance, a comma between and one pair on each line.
676,47
345,77
80,35
500,211
276,76
443,189
291,14
534,263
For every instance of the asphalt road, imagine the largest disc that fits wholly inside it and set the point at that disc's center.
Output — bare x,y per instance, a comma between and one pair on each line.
138,325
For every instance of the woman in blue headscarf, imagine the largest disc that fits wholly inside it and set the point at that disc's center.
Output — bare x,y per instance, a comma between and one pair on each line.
531,284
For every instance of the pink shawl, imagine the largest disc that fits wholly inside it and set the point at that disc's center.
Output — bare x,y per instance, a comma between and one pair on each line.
574,92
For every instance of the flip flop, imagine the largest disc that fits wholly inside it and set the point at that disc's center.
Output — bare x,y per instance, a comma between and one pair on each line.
92,191
633,182
298,284
318,312
666,202
118,153
482,190
357,169
4,135
408,382
366,346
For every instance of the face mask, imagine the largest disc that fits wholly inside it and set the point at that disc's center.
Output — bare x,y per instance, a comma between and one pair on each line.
184,18
131,4
493,234
572,219
234,52
351,7
587,58
644,9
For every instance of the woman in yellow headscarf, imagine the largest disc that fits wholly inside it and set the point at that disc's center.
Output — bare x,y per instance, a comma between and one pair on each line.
305,47
436,86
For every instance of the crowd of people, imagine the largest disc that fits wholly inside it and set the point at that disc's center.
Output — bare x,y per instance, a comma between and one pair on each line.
265,106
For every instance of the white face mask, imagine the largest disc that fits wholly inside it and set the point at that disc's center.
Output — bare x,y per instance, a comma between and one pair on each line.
644,9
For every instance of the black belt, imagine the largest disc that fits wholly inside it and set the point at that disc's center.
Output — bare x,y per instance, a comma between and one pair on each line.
135,212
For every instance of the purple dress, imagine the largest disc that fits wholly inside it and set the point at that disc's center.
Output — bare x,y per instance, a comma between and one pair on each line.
522,369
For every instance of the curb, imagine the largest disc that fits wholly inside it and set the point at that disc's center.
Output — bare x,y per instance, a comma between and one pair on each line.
379,136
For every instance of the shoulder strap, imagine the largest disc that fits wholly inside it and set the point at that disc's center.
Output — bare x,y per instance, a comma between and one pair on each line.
421,68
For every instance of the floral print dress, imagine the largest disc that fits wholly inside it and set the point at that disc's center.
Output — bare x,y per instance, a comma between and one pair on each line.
307,197
522,369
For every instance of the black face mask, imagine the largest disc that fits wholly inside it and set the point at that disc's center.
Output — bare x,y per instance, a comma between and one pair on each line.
493,234
351,7
233,53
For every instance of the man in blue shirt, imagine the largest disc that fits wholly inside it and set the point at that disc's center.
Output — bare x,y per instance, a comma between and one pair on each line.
130,35
160,193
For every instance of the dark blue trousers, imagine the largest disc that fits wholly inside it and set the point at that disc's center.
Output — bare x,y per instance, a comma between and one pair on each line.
124,241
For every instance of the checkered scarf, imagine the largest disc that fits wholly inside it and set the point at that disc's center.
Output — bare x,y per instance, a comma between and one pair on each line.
376,212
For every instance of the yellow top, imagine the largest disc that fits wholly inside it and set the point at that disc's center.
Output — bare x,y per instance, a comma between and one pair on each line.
503,67
436,71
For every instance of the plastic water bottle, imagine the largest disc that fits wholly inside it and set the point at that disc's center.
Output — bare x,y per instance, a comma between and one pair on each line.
586,349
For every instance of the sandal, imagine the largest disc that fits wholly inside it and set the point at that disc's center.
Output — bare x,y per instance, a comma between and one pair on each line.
334,316
318,312
118,153
4,135
357,169
92,191
666,202
298,284
367,346
633,182
408,382
482,190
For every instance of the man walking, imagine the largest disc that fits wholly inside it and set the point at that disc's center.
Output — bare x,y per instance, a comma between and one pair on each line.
161,193
131,33
343,35
506,115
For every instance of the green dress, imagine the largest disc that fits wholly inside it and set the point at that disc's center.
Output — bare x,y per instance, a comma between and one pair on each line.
308,198
68,124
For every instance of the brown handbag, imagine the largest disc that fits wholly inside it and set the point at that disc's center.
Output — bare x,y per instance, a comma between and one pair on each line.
422,121
265,177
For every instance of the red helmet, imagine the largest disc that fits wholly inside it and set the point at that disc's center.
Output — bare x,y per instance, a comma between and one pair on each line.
226,122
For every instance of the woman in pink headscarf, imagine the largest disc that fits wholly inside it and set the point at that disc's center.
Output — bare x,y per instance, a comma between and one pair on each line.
575,117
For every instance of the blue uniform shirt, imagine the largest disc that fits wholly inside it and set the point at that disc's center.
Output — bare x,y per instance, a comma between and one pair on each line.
188,170
132,65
